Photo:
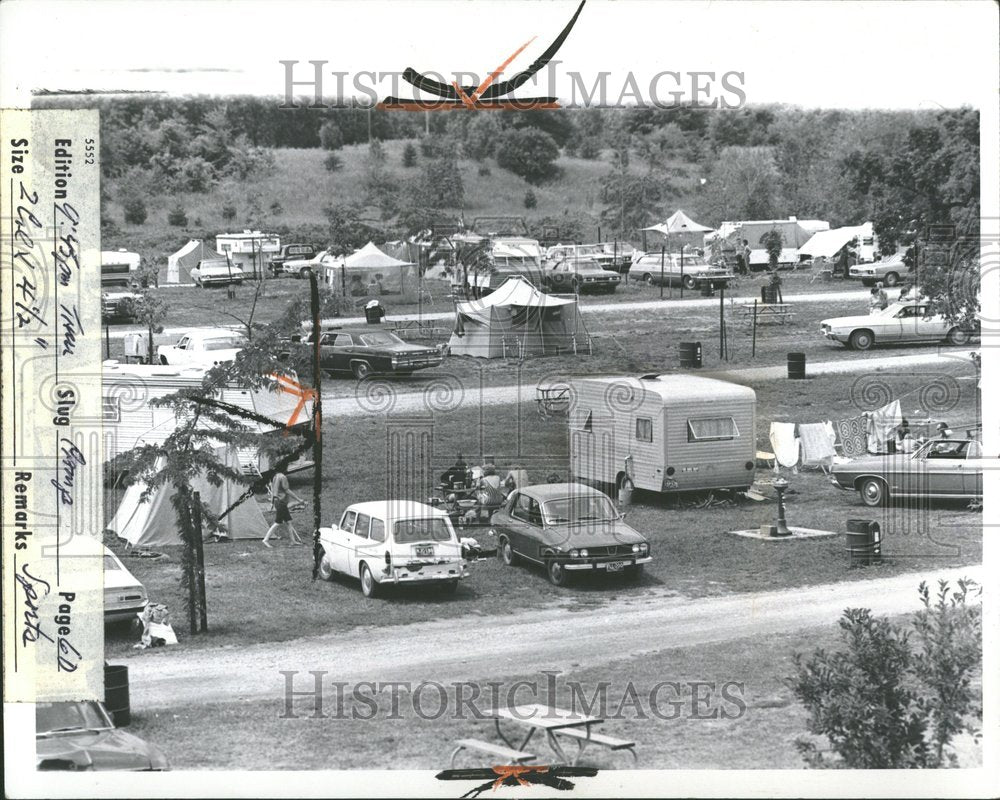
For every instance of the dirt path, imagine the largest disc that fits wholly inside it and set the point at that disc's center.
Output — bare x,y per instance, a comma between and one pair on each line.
474,648
447,393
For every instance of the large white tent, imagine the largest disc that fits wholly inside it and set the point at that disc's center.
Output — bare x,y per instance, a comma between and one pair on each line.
517,320
367,266
154,523
185,259
681,231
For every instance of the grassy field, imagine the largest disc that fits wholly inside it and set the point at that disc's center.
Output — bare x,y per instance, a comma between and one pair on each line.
694,554
762,736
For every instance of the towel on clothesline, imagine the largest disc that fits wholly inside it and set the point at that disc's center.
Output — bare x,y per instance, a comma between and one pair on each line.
882,425
784,443
817,448
853,434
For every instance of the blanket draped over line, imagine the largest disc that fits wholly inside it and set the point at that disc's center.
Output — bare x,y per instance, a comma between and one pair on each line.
784,443
817,443
882,425
853,434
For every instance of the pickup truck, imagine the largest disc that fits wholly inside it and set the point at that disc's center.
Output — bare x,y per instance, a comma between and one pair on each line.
291,252
202,348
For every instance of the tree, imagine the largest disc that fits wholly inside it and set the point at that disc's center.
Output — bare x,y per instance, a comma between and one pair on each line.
743,184
409,155
177,216
530,201
228,212
134,208
148,308
440,184
880,704
631,202
773,242
529,153
482,136
330,137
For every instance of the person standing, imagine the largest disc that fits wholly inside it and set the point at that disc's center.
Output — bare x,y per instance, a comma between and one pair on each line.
746,257
280,492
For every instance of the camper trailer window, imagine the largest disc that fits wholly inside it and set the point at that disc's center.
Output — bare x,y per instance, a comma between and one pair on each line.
112,410
643,429
712,429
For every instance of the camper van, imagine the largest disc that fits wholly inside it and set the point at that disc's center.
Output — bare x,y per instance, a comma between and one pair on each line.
662,433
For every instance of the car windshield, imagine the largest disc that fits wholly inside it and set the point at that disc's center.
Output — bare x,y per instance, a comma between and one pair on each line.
68,716
434,529
943,448
380,339
224,343
584,508
110,562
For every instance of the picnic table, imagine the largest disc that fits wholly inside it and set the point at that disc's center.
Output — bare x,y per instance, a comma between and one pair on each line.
554,723
552,400
417,329
768,312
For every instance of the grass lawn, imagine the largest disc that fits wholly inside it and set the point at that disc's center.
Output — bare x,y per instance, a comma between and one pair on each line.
693,553
242,735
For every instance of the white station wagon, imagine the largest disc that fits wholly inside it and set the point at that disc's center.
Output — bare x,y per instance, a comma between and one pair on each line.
393,542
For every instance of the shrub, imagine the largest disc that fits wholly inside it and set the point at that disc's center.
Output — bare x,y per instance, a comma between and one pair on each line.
135,210
333,162
229,212
330,137
530,201
529,153
409,155
177,217
484,171
276,207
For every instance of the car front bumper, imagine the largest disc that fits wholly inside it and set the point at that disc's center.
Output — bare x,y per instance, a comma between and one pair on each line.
604,562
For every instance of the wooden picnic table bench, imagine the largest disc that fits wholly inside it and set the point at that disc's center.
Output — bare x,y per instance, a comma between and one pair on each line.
768,312
550,720
508,754
582,739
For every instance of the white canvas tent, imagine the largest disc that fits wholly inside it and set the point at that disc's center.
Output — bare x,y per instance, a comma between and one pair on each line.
185,259
826,244
369,265
677,223
154,523
518,320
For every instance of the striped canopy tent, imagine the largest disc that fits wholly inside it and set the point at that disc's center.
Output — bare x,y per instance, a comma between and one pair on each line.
517,320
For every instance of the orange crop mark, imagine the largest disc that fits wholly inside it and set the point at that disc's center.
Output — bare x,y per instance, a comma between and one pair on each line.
499,70
514,771
296,389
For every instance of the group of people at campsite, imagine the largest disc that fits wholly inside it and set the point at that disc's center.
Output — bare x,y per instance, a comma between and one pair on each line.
470,492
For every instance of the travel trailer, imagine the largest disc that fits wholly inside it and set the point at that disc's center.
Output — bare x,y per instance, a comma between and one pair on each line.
662,433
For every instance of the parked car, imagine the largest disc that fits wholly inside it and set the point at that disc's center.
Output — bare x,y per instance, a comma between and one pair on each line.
567,528
368,351
888,271
124,595
668,269
118,306
80,735
939,469
897,323
216,272
395,542
291,252
301,267
202,348
579,275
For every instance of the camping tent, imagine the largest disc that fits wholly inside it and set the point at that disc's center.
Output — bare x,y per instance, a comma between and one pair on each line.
518,320
154,523
681,230
826,244
185,259
367,266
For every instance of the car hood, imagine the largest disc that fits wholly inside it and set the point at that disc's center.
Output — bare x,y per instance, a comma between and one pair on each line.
599,534
111,749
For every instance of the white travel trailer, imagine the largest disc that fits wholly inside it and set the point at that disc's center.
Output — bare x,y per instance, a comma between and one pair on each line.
662,433
130,420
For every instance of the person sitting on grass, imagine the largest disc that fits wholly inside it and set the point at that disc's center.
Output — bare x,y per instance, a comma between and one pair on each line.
280,492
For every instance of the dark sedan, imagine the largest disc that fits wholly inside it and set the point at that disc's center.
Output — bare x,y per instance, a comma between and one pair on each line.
567,528
79,735
368,351
579,275
940,469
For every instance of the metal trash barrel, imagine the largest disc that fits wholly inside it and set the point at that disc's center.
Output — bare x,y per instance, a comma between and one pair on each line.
797,366
116,699
690,354
707,290
768,294
864,541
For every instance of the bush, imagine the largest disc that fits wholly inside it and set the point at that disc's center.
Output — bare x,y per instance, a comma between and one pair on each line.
530,201
330,137
177,217
409,155
276,207
529,153
484,171
135,210
229,212
333,162
439,185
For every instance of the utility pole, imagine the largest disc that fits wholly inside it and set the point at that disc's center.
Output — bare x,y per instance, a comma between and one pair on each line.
317,420
199,563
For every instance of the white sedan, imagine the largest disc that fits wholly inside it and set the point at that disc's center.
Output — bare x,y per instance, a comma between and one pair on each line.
124,595
202,348
393,542
301,267
898,322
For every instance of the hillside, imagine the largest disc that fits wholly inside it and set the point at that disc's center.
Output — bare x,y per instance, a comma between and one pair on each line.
301,187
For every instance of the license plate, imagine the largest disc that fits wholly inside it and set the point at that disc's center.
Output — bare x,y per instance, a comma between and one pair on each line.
425,550
616,566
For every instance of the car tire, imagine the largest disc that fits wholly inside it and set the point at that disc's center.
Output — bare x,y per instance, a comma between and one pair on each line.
556,572
647,279
304,273
163,360
361,369
325,570
958,337
506,553
689,282
874,492
862,340
891,278
634,573
369,586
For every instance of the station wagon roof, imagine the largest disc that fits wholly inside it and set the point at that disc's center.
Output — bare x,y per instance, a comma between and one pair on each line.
396,509
680,387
